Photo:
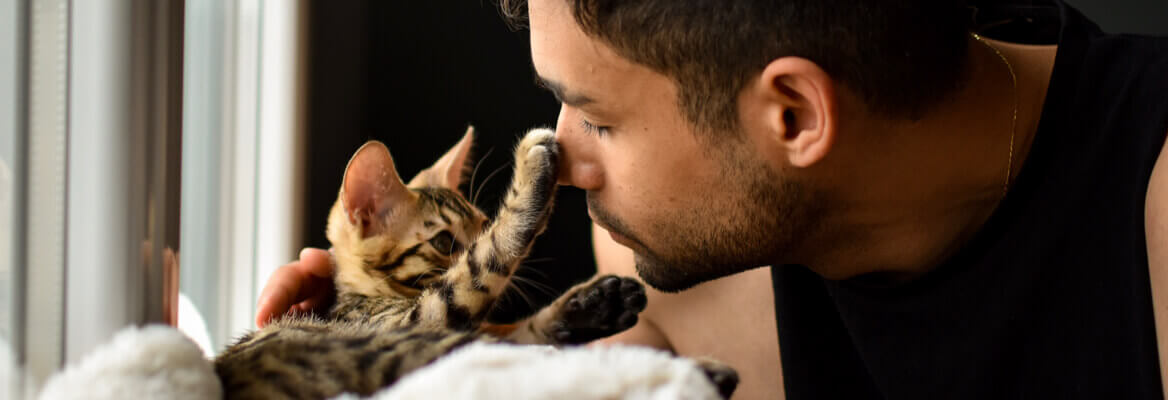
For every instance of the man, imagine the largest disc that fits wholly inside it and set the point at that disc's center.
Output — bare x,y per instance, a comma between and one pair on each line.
970,218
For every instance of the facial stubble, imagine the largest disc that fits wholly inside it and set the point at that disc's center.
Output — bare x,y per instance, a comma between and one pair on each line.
754,217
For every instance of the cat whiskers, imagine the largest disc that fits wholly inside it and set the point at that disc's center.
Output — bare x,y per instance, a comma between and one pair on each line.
527,263
475,171
508,296
516,289
534,284
524,268
521,283
484,184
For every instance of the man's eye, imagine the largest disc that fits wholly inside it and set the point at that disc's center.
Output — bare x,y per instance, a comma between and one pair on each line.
443,242
592,128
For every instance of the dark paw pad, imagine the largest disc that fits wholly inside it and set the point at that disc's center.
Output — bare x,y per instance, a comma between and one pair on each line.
721,375
604,307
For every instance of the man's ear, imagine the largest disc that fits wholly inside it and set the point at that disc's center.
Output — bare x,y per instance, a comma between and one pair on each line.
449,169
372,188
794,104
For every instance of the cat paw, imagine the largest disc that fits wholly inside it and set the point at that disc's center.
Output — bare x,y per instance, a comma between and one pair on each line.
721,375
536,159
536,138
605,306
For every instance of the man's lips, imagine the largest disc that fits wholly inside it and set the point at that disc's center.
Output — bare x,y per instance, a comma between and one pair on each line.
623,241
616,237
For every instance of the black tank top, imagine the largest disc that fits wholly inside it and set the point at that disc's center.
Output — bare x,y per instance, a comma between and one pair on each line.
1051,299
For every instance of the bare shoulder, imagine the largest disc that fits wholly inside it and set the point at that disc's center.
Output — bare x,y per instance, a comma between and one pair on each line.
1156,221
1156,231
1156,204
730,319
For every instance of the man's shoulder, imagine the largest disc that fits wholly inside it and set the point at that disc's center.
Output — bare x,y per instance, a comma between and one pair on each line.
1156,231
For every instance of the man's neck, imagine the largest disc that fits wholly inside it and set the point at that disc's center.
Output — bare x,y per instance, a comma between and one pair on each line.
920,190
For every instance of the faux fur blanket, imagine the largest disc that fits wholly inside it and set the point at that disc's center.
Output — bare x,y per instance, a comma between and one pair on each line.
160,362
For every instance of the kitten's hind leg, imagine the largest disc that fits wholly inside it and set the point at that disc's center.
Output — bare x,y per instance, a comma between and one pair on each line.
601,307
469,288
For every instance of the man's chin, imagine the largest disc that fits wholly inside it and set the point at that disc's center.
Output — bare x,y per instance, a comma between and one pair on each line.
668,278
673,277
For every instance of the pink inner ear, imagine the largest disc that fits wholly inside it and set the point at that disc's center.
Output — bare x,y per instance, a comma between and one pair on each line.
457,159
371,188
447,172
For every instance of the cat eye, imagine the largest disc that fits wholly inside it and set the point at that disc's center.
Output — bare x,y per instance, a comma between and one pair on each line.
444,242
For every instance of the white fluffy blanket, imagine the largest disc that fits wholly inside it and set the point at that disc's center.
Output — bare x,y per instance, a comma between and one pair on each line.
155,362
160,362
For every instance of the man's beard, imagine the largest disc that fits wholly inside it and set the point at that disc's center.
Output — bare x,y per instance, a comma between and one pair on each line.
756,221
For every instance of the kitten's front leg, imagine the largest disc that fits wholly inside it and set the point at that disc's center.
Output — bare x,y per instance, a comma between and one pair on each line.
469,288
601,307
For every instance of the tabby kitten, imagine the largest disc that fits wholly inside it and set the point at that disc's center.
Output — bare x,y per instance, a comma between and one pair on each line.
418,269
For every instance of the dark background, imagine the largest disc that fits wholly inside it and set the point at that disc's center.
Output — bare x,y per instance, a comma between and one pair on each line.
414,74
1149,17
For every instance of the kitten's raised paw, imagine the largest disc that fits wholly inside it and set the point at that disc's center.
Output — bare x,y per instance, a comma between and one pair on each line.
721,375
536,157
605,306
538,137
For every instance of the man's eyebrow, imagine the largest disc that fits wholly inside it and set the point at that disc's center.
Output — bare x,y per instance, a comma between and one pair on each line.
563,95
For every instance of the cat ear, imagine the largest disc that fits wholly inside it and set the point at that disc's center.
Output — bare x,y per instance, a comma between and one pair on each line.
371,188
449,169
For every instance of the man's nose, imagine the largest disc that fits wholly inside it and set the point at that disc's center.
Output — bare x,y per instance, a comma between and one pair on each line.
579,164
582,174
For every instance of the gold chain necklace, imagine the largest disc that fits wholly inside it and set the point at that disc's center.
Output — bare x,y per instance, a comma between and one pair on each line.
1014,120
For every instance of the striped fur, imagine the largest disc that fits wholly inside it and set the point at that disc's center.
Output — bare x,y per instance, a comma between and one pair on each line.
418,269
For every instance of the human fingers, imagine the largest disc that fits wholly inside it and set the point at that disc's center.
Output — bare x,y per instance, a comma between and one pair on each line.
318,290
316,262
280,293
319,295
299,286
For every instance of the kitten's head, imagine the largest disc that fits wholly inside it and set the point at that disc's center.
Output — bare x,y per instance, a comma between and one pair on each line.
394,239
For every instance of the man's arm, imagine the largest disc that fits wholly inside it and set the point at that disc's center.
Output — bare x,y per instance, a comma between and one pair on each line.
1156,229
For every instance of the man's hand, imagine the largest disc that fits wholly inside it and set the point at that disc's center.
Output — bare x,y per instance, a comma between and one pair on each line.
298,287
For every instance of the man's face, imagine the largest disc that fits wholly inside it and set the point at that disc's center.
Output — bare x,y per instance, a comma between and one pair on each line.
693,206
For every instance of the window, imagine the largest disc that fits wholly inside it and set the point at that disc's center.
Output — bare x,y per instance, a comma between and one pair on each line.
241,146
11,158
88,176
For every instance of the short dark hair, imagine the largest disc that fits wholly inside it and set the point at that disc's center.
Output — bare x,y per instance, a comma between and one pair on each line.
900,57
